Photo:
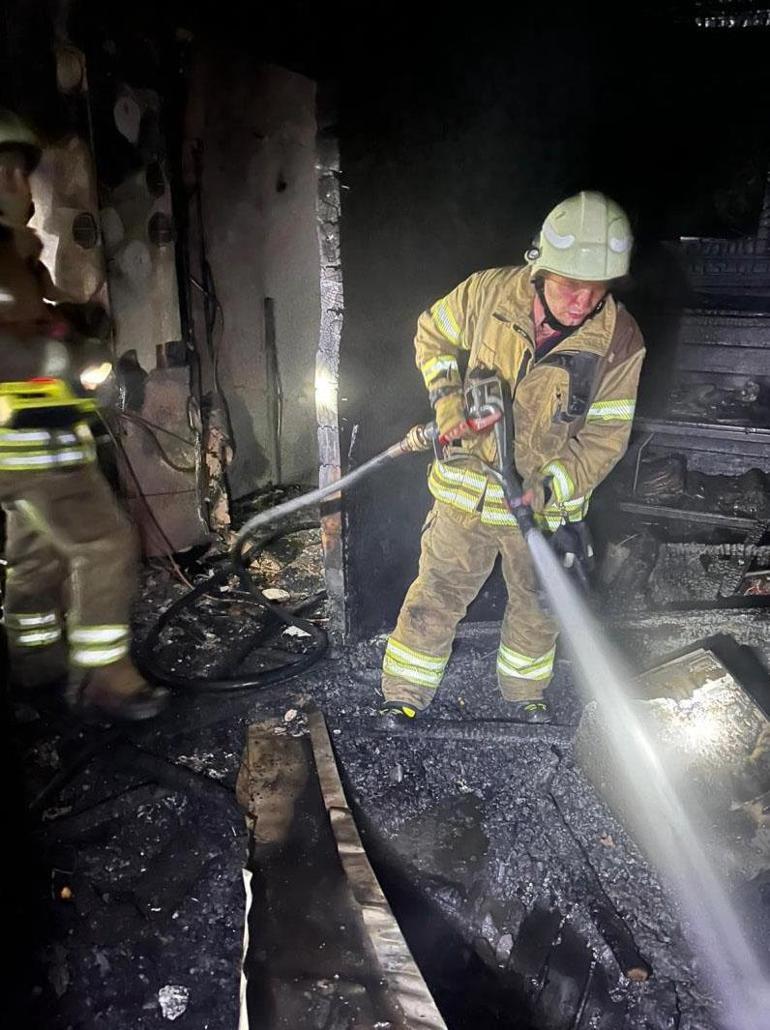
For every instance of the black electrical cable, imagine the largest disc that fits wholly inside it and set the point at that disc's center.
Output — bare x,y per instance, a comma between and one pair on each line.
133,417
145,655
207,286
162,452
112,738
243,553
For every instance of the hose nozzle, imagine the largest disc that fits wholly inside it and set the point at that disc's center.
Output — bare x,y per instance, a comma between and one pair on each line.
525,518
419,438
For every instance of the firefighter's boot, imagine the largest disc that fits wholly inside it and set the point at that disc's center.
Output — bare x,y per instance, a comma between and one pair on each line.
39,667
397,714
116,691
534,711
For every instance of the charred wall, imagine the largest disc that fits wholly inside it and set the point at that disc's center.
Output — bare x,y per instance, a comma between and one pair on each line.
253,127
187,132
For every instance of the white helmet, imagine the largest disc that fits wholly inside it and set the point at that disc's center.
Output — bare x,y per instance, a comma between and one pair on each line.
587,237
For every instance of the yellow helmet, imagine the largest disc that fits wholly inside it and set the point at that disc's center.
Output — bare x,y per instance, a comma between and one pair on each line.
15,134
587,237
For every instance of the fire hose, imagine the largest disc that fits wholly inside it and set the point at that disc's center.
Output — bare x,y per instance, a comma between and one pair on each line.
420,438
488,403
488,406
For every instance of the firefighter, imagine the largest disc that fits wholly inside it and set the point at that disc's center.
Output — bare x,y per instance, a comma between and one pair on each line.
571,356
71,553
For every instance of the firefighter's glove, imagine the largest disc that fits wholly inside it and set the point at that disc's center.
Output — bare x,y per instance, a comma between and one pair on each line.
450,417
573,546
536,493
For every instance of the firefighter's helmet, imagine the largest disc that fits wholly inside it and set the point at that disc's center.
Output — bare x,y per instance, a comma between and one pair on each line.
586,237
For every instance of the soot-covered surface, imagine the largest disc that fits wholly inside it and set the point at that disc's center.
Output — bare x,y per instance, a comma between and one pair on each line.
507,849
520,895
133,898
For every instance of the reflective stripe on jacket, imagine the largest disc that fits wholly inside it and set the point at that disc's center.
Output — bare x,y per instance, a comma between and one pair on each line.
40,450
24,320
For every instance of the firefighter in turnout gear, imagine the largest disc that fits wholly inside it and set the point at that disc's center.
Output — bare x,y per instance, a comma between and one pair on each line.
570,356
71,553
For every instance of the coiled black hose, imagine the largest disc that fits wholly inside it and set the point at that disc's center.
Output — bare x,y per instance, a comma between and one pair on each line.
419,438
146,657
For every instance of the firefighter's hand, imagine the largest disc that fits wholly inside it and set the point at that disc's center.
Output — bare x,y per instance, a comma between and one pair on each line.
536,494
573,546
450,418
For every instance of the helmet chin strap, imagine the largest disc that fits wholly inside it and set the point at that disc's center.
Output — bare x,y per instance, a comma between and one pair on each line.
552,320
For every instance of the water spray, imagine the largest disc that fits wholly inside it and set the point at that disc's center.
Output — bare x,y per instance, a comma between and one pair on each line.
674,842
677,846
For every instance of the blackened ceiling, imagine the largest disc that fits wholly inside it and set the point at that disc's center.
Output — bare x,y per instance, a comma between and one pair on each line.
643,101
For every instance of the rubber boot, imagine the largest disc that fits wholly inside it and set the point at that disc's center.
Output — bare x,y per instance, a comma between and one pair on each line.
35,668
117,692
396,712
405,697
533,711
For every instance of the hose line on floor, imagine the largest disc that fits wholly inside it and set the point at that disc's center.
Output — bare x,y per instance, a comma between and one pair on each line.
146,655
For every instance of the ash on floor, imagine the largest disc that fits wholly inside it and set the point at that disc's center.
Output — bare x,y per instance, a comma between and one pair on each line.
497,856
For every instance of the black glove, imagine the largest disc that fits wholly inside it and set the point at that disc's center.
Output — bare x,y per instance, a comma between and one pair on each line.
573,546
539,492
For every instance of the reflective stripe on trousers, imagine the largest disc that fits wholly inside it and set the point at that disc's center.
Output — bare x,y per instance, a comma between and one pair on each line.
95,646
458,553
413,666
522,666
32,629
